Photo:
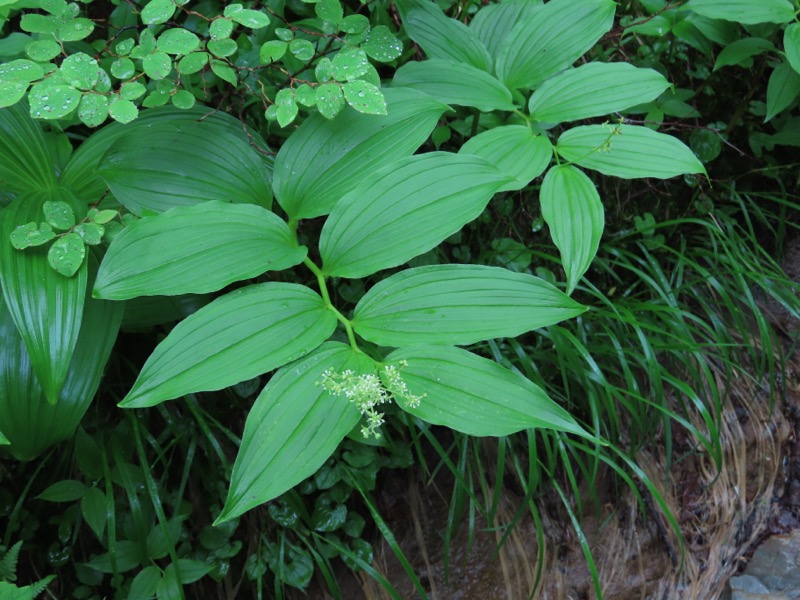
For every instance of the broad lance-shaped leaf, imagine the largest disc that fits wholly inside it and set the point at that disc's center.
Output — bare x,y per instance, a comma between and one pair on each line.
550,38
293,428
195,249
474,395
46,306
242,334
80,175
493,22
791,45
25,164
168,164
741,50
782,89
593,90
442,37
31,423
404,210
326,158
747,12
627,151
458,304
574,213
455,83
515,150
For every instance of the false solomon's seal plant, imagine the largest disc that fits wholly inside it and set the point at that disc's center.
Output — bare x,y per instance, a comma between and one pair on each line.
204,195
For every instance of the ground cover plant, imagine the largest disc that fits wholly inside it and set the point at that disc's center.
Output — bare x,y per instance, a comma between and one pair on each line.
289,182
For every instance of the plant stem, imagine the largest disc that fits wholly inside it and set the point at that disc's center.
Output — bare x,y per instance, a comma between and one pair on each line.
323,289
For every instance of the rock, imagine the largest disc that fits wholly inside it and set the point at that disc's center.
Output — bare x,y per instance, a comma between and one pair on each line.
773,573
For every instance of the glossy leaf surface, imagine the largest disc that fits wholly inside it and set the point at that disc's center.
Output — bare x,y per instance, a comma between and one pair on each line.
747,12
627,151
167,164
240,335
550,38
514,150
458,304
474,395
81,173
574,213
293,428
326,158
593,90
443,37
46,306
195,249
404,210
25,164
493,22
30,422
455,83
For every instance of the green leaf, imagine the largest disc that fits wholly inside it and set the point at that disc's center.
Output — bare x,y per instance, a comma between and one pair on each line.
220,29
80,70
144,585
791,45
222,49
66,254
458,304
586,92
329,10
132,90
272,51
474,395
93,110
627,151
75,30
740,51
493,22
177,41
250,18
67,490
747,12
59,214
292,429
455,83
122,111
155,167
200,249
192,63
782,89
551,37
514,150
157,12
35,293
3,440
34,23
90,233
405,210
25,163
11,92
329,100
189,570
30,422
382,45
240,335
81,173
93,509
348,64
53,101
442,37
21,70
574,213
223,71
157,65
364,97
183,99
43,50
29,235
308,182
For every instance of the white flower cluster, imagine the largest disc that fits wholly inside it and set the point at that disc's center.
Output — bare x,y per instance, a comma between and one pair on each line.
367,391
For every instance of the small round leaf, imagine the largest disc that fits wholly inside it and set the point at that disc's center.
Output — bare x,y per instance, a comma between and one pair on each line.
123,68
43,50
66,254
177,41
59,214
157,65
53,101
93,110
330,100
365,97
123,111
80,70
192,63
